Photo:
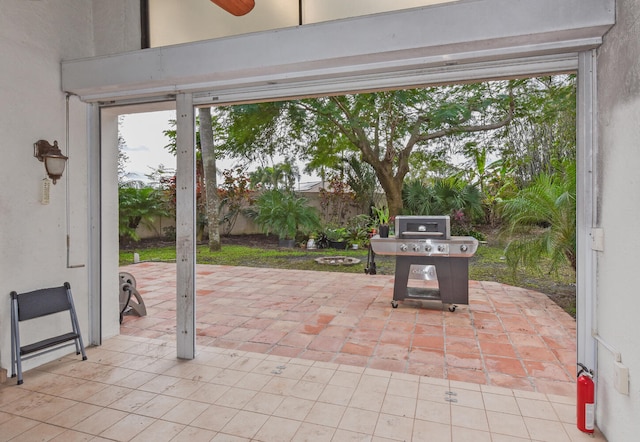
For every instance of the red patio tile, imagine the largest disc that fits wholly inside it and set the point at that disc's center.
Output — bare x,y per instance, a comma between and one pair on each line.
348,319
427,341
463,360
497,349
466,375
387,364
509,366
323,343
359,348
546,370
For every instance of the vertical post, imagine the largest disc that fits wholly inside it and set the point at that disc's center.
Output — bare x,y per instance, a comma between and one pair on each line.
185,227
586,209
95,263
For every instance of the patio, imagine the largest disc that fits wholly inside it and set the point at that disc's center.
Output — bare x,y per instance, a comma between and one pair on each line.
507,337
310,356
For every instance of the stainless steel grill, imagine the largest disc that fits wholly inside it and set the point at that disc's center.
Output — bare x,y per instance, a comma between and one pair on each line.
426,251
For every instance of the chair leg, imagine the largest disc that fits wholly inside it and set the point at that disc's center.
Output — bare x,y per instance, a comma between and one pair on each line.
15,344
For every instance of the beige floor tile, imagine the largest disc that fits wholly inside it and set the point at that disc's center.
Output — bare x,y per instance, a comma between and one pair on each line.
403,387
277,429
108,395
504,438
100,421
548,431
214,417
351,436
431,431
392,426
193,434
254,381
578,436
566,412
507,424
460,434
345,379
500,403
159,431
265,403
73,415
439,412
466,417
135,379
308,432
132,401
127,428
15,426
359,421
294,408
160,384
399,406
235,398
325,414
72,436
337,395
221,437
467,398
84,390
278,385
209,393
319,375
367,400
307,390
158,406
185,412
536,409
41,432
245,424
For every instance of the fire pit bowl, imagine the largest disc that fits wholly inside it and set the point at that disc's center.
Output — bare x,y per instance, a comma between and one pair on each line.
337,260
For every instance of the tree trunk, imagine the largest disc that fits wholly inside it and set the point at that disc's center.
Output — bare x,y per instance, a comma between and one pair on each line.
210,178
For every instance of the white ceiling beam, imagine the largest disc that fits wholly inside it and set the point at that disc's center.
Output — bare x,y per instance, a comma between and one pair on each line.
459,33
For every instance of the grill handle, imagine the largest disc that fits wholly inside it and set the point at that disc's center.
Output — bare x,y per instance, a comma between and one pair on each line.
423,233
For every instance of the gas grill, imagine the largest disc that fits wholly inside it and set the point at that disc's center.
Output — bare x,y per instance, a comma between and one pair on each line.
426,251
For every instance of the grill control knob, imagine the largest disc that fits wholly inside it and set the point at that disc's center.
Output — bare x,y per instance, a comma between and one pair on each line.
441,248
464,248
403,247
427,248
416,247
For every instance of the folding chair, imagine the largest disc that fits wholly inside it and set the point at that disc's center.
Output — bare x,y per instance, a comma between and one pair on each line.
36,304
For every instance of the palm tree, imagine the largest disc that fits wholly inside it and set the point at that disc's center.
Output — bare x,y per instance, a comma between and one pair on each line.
548,203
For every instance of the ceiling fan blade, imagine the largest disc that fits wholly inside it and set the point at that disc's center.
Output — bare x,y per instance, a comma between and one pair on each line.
236,7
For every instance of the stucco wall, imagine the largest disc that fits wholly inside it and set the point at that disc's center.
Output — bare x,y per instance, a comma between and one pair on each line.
618,303
34,37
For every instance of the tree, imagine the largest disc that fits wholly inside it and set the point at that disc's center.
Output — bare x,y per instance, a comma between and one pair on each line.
548,204
138,206
385,128
210,180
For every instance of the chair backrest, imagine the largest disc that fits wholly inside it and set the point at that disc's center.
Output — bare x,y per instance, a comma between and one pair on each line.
42,302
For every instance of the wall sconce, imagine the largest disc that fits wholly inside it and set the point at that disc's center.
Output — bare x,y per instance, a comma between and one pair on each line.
52,157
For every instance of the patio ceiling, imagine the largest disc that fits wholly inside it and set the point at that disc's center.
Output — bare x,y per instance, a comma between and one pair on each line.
473,39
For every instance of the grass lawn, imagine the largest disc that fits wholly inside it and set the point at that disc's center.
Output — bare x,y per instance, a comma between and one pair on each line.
487,264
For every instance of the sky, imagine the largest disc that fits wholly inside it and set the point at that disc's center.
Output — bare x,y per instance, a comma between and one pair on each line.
144,142
144,145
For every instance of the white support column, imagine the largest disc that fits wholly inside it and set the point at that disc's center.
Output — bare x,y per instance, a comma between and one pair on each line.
95,267
185,228
586,208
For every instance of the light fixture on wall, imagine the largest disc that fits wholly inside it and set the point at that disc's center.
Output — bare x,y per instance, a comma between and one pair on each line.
54,160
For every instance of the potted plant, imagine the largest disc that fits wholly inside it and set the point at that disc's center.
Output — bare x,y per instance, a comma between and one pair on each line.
337,237
284,214
381,214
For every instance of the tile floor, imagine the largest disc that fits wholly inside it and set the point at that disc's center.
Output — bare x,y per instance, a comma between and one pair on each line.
506,337
134,389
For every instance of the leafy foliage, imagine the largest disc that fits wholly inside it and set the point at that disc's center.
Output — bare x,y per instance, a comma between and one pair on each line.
548,205
139,206
284,213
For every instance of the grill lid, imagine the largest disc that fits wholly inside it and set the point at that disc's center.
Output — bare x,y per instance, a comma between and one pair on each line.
423,227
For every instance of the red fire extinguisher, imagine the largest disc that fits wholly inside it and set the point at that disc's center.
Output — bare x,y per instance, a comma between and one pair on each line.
585,400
